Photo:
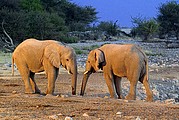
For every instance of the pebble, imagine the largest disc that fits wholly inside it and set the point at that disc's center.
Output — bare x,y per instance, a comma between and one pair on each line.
85,115
63,96
138,118
68,118
53,117
14,92
170,101
119,114
106,96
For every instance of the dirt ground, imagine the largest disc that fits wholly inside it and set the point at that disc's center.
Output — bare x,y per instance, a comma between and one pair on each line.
94,105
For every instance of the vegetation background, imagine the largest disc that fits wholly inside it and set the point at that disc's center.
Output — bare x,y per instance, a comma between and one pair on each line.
68,22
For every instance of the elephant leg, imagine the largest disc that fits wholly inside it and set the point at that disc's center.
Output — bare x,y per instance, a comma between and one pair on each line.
52,76
149,93
25,73
133,85
109,81
33,84
117,83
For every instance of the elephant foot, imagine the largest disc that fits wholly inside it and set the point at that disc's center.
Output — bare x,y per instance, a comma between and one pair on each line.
37,92
120,97
29,92
130,97
114,96
49,92
149,98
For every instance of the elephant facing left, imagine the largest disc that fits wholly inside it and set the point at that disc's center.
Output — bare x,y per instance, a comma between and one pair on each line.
33,56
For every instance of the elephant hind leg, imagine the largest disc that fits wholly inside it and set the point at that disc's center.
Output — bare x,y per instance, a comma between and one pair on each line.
33,84
117,83
25,73
149,93
133,85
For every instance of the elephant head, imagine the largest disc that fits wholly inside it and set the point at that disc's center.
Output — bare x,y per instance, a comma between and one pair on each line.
65,56
94,62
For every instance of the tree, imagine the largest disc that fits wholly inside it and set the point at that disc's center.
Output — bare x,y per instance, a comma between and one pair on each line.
43,19
168,19
110,28
31,5
144,28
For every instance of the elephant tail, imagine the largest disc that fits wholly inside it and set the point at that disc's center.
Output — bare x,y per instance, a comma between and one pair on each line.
147,69
12,66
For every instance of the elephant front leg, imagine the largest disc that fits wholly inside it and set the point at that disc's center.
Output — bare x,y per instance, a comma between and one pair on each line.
52,76
109,81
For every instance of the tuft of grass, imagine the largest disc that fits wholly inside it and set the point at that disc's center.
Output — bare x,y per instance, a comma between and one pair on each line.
5,57
150,53
78,50
85,49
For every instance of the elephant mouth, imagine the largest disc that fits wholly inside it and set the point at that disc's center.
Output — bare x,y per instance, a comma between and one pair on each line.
89,71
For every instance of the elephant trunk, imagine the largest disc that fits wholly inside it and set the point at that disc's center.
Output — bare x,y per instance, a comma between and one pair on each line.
74,79
84,82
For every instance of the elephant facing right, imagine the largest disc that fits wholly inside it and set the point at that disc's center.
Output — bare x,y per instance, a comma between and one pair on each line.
119,61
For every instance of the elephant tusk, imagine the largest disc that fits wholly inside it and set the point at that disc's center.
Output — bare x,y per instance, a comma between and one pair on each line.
86,72
69,72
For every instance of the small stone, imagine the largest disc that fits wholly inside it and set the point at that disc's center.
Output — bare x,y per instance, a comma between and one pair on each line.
14,92
58,96
63,96
138,118
85,115
68,118
170,101
49,95
60,114
106,97
53,117
126,101
118,113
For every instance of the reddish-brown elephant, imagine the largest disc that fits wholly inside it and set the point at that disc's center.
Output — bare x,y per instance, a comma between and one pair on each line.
119,61
33,56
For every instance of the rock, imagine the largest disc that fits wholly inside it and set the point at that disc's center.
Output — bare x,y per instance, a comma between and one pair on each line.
68,118
63,96
14,92
49,96
106,96
170,101
60,114
119,114
85,115
53,117
126,101
138,118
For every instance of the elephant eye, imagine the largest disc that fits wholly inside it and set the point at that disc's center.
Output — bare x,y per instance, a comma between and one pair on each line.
67,59
88,61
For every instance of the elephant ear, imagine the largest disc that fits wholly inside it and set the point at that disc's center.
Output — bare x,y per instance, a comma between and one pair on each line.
100,59
51,53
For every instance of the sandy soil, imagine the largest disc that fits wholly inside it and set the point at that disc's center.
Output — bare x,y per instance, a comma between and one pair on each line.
95,105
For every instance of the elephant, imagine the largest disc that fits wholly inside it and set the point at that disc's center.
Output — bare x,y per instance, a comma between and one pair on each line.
117,61
34,56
